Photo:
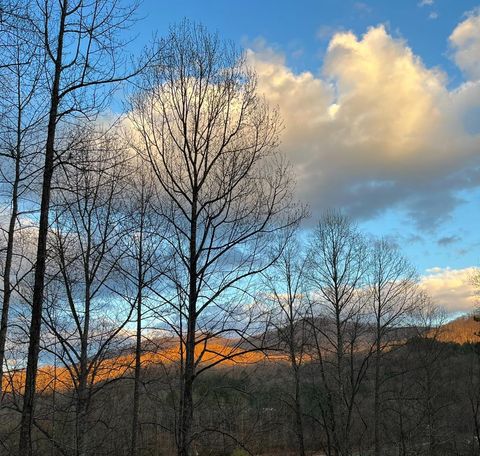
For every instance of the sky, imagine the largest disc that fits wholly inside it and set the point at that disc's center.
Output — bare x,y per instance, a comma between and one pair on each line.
381,105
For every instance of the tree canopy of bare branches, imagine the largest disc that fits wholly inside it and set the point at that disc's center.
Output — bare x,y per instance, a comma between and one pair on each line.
212,142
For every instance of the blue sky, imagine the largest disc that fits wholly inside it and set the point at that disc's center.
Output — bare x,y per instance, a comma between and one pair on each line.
393,88
307,24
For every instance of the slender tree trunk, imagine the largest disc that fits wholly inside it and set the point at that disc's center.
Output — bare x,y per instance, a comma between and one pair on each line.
82,397
189,372
136,386
26,424
299,414
138,346
326,424
81,422
342,437
329,414
7,287
296,377
376,426
54,402
187,406
82,392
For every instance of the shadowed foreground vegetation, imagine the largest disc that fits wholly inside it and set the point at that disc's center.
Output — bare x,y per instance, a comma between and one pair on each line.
430,400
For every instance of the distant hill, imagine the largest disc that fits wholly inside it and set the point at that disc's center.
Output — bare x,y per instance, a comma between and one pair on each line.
165,351
461,331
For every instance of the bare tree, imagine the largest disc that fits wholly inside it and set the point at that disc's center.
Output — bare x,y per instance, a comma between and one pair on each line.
337,270
79,40
211,141
143,265
394,296
429,364
285,288
21,116
85,317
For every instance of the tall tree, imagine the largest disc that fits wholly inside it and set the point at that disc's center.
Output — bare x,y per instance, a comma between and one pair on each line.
142,267
428,363
394,293
285,288
21,116
211,141
85,244
337,270
83,58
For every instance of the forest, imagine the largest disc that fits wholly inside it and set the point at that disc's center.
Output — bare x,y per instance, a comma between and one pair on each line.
164,292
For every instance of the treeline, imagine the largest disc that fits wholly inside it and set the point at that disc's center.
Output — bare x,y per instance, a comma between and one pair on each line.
158,296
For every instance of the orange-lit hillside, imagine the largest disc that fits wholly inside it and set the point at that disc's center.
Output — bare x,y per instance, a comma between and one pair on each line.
60,378
461,331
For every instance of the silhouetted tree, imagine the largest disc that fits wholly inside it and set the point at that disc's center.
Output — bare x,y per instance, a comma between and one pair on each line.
21,116
82,59
285,290
211,141
393,295
86,248
337,274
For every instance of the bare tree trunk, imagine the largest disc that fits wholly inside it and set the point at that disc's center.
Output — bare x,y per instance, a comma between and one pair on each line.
7,289
82,392
342,439
189,369
378,447
187,393
81,417
138,342
328,412
22,93
80,41
299,415
137,379
26,424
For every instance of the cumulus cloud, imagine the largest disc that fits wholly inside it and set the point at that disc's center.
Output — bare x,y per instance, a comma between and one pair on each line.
375,129
451,289
465,42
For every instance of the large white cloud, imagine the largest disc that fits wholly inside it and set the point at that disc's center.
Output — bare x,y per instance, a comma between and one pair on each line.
376,128
465,41
452,289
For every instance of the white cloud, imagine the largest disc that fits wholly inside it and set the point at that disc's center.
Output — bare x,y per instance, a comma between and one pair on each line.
451,289
465,42
376,128
426,3
362,7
